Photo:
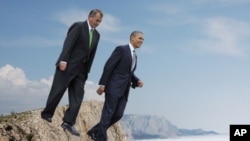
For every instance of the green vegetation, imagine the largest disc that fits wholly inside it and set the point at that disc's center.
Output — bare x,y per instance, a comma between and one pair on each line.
13,116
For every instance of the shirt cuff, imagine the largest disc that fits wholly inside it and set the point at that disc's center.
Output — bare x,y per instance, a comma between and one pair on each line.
63,62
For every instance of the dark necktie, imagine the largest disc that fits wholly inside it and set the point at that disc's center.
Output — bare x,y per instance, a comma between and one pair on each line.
133,60
90,36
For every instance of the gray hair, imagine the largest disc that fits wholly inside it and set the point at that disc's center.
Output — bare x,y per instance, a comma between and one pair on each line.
93,12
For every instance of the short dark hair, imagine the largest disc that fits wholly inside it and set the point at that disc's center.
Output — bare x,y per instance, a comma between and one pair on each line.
93,12
134,33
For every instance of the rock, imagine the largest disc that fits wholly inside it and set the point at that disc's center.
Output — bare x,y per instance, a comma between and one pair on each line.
28,126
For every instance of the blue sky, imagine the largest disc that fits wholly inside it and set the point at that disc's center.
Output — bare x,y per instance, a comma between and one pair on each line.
194,61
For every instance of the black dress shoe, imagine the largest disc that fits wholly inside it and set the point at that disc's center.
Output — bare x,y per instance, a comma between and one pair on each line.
70,128
92,135
47,119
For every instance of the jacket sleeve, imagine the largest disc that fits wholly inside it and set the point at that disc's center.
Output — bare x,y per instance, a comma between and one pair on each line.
70,40
134,80
110,65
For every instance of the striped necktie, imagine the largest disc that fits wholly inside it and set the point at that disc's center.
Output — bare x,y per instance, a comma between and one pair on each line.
90,36
133,60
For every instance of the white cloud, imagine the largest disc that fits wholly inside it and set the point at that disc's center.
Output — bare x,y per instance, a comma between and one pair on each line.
221,2
109,23
219,35
10,76
27,94
13,83
167,8
223,36
29,41
170,14
109,28
69,16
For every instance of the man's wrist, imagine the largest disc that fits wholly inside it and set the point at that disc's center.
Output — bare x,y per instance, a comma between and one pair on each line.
103,86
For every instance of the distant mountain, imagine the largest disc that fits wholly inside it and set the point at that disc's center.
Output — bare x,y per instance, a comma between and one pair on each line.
148,126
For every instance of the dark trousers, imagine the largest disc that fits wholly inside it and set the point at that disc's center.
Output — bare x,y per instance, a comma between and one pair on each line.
112,112
62,81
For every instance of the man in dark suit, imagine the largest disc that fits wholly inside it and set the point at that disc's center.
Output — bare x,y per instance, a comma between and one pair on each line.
117,77
72,68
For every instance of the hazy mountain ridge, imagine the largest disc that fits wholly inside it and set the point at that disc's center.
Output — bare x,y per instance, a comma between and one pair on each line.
148,126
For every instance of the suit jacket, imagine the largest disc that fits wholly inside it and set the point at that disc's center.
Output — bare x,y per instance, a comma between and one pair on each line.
117,75
76,51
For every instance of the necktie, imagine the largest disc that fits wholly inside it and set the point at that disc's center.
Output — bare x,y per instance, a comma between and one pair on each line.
90,37
133,60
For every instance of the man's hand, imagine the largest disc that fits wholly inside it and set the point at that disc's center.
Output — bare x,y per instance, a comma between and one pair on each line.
100,90
140,84
63,66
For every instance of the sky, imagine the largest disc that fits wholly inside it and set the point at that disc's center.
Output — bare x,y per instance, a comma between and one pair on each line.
194,61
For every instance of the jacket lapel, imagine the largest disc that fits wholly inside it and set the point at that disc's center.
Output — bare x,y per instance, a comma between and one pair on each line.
85,31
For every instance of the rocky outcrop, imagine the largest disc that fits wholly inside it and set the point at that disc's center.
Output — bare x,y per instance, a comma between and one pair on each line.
28,126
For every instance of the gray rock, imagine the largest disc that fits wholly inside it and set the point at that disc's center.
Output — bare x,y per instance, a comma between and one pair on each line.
28,126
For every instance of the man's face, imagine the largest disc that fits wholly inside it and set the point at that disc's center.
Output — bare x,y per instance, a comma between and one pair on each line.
137,40
95,20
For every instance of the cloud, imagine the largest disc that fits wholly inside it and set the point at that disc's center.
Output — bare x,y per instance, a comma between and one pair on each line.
109,28
227,2
167,8
10,76
218,35
13,82
17,93
109,23
28,41
170,14
69,16
223,36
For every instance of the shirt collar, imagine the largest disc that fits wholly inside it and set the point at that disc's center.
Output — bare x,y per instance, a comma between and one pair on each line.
89,25
131,47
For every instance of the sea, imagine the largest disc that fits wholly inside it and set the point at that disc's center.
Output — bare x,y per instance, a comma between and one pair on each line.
223,137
